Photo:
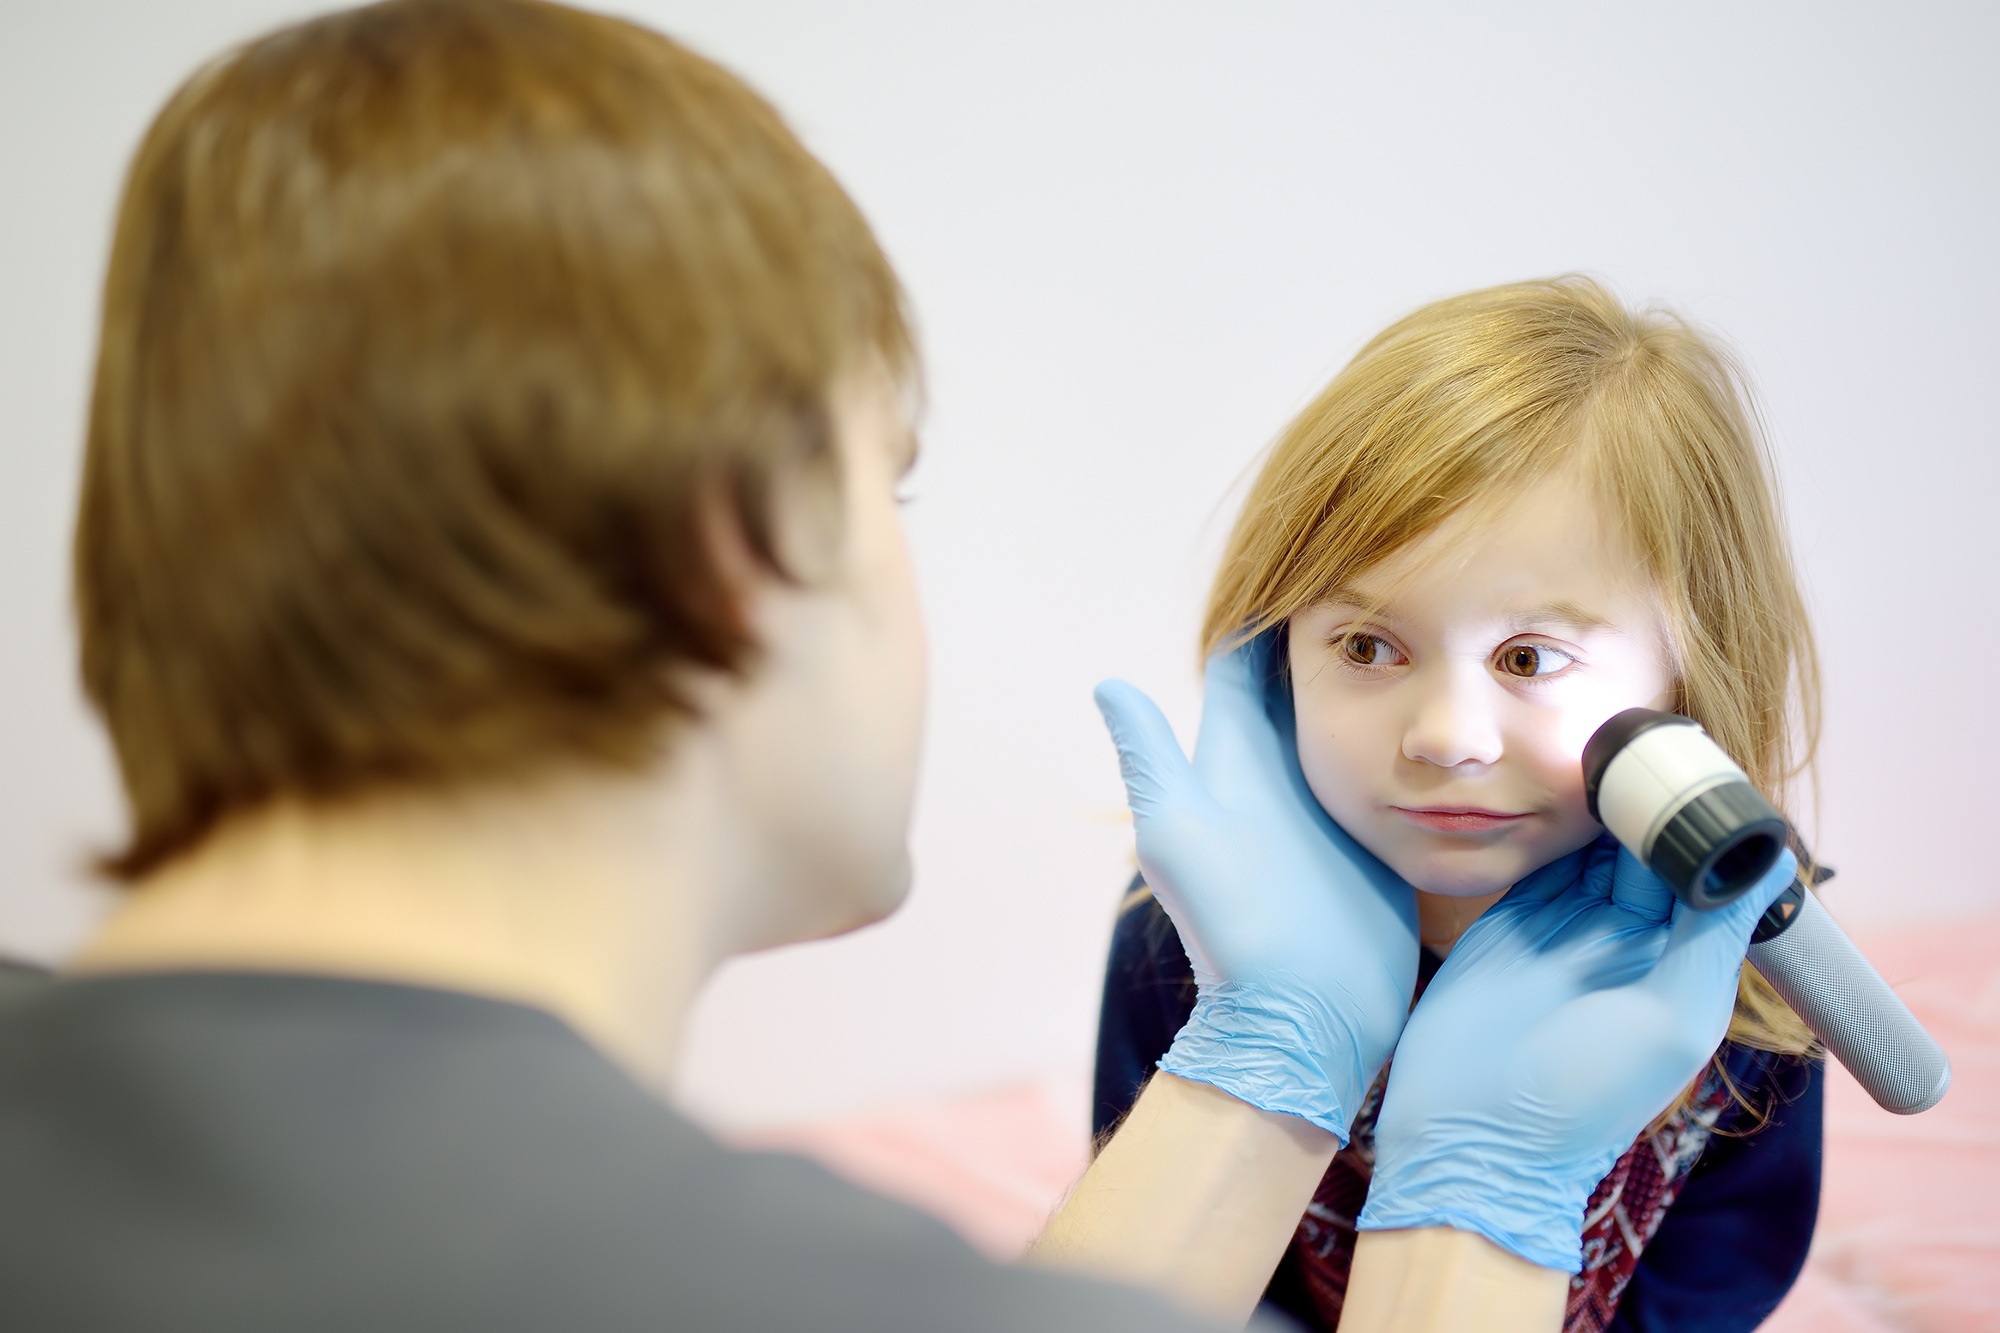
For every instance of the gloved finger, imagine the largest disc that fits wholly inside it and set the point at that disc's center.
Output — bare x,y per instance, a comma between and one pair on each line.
1707,947
1599,877
1505,926
1557,919
1238,751
1640,891
1609,947
1548,883
1267,657
1149,754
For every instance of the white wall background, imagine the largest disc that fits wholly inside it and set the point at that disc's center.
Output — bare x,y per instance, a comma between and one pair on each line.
1138,235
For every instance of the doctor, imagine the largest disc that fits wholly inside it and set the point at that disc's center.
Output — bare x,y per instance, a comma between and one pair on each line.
489,575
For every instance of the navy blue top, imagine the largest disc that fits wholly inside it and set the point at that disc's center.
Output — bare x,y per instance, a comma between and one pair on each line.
1727,1252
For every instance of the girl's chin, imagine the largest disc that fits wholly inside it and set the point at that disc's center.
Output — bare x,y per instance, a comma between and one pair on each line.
1461,868
1460,876
1474,876
1472,889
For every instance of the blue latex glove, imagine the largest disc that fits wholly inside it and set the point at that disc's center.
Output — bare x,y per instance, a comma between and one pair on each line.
1569,1015
1304,946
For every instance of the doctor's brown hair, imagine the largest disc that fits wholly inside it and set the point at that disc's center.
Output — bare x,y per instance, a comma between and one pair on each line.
436,334
1461,405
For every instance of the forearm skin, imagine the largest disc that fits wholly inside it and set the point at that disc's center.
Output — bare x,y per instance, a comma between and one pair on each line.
1439,1280
1196,1196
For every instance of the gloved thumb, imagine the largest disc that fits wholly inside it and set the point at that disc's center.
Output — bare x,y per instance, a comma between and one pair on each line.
1639,891
1713,943
1149,755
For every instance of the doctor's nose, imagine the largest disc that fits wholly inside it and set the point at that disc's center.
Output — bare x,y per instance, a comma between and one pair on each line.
1453,725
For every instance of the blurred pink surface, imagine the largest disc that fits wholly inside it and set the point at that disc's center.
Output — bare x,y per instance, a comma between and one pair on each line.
993,1166
1909,1225
1909,1219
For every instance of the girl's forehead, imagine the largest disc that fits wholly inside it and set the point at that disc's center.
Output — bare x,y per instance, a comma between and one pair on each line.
1548,555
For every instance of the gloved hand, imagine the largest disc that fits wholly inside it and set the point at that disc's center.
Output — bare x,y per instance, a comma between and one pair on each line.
1304,946
1567,1017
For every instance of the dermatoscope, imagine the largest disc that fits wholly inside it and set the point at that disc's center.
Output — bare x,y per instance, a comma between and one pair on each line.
1682,806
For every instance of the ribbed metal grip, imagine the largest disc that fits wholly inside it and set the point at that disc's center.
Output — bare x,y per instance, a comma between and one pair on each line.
1844,1000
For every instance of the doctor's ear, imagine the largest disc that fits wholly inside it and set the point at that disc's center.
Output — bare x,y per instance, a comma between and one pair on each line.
757,530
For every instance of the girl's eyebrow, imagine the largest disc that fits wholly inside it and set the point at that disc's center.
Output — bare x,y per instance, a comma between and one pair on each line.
1339,595
1560,612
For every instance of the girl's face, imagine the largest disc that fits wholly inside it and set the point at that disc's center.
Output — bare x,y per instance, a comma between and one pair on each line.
1446,731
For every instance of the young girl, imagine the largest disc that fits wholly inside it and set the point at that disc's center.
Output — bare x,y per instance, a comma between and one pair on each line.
1514,514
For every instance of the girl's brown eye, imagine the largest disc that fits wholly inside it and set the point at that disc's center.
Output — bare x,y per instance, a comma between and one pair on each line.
1366,650
1529,660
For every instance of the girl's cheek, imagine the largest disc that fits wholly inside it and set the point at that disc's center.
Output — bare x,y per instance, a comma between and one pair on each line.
1338,759
1557,766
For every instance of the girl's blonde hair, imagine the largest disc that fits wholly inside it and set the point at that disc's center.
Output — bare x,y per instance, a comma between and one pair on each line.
1469,400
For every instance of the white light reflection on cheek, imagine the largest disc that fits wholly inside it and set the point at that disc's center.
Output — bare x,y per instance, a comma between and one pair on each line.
1629,671
1572,729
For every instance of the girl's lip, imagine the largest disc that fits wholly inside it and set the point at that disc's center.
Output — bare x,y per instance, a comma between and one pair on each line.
1457,819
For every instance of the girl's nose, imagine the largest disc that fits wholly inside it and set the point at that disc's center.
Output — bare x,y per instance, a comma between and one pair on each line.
1453,724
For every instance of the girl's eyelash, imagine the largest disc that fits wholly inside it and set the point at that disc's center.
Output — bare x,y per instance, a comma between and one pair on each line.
1528,654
